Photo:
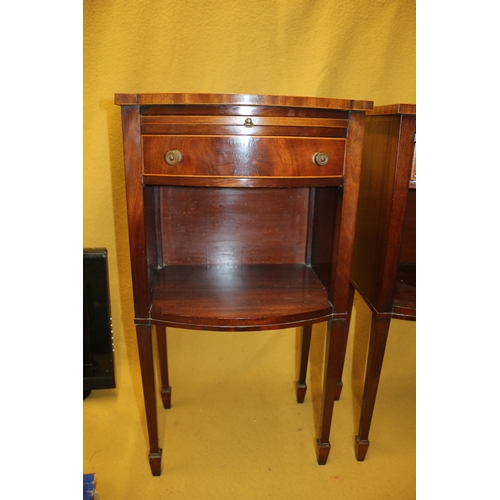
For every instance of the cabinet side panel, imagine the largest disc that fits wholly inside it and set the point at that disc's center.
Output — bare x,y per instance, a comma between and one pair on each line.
151,225
374,208
325,204
135,210
346,215
408,241
398,208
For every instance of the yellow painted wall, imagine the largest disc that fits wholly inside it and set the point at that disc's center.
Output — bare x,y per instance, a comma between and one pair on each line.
354,49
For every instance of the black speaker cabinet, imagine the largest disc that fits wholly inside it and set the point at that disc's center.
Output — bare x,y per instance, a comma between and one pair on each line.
98,362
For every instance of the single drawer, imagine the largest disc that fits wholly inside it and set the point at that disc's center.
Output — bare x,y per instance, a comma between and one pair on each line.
242,156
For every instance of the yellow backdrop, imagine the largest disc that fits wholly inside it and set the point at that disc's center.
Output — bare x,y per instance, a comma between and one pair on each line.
354,49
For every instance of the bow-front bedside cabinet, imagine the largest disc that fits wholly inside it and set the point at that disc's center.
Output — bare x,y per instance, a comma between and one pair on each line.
384,261
241,214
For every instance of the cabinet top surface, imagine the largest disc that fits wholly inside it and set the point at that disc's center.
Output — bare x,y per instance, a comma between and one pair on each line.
240,100
394,109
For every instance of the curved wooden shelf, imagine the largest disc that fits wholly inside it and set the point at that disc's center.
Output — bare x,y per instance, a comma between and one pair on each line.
239,297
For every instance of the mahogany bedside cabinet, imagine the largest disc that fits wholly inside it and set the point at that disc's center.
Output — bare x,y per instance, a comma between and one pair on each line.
384,262
241,216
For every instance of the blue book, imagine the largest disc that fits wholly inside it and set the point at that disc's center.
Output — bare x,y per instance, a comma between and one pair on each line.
88,486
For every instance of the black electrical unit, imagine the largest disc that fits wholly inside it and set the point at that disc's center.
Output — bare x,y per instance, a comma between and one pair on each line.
98,358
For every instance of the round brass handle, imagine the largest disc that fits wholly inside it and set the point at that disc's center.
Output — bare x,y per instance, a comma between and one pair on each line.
320,158
248,122
173,157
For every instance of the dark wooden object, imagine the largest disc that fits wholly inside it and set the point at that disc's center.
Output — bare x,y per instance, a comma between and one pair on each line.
384,262
236,225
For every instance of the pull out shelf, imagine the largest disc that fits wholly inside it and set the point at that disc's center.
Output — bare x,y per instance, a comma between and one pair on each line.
239,297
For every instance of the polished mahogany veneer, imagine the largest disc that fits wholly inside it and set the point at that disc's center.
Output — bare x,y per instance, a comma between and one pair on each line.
241,213
384,266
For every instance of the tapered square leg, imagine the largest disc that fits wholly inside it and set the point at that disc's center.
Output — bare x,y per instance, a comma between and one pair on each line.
145,346
333,356
378,341
360,448
322,452
166,390
155,462
305,344
343,348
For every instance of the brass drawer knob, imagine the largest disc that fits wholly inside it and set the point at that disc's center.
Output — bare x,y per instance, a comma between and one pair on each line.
248,123
320,158
173,157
